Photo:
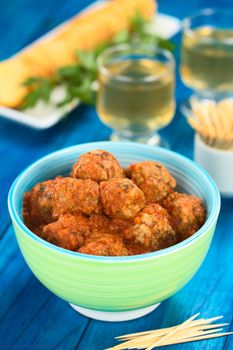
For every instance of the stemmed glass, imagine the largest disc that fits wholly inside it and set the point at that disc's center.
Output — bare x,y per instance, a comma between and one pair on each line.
207,56
136,92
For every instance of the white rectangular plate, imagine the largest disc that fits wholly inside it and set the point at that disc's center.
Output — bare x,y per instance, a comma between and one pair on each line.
44,116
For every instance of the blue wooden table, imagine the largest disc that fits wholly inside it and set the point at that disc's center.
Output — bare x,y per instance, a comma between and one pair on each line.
30,316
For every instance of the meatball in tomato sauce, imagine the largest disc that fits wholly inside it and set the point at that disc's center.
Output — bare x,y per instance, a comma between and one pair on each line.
68,231
152,228
153,179
50,199
98,166
121,198
187,213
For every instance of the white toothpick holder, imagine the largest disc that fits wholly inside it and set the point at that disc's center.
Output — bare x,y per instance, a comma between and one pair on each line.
218,163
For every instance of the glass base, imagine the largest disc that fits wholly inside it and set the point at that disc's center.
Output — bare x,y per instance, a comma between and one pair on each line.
152,140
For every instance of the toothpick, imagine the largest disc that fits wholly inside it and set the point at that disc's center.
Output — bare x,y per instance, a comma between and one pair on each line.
190,330
213,122
198,338
168,335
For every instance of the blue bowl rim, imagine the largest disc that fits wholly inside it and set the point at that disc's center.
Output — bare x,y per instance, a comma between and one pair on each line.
100,145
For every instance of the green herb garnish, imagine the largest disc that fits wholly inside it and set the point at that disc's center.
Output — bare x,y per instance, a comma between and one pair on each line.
78,78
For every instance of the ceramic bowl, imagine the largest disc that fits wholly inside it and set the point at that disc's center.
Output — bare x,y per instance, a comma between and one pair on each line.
115,288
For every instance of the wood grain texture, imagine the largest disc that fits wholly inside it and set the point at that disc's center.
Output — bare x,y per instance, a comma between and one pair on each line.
31,318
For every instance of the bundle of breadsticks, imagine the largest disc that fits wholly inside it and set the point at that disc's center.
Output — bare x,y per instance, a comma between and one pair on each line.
213,121
83,32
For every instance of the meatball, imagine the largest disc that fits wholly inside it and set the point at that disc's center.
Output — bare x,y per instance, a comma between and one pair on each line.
152,228
136,248
68,232
48,200
105,245
99,223
119,225
153,179
187,213
98,166
121,198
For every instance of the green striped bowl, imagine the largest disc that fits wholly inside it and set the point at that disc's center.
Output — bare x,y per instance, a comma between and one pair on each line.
115,286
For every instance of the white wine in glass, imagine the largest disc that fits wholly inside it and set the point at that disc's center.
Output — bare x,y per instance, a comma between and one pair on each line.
207,55
136,92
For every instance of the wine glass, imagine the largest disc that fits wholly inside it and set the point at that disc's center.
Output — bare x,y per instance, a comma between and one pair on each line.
207,56
136,92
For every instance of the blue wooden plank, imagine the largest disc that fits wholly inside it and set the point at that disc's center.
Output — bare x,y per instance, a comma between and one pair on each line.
182,9
33,22
66,10
228,342
30,316
21,27
56,13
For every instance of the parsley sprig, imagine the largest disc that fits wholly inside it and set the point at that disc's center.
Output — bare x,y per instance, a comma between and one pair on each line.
78,78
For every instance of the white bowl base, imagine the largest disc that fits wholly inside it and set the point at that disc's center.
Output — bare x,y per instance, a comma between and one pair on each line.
114,316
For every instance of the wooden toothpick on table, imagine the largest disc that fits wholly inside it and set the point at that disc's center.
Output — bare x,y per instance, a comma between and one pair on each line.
189,331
